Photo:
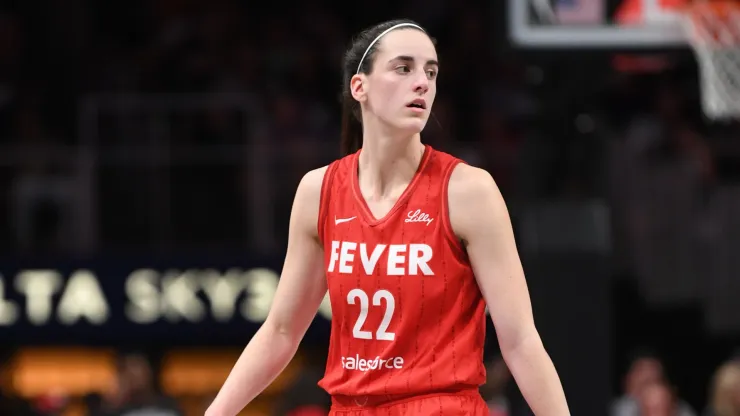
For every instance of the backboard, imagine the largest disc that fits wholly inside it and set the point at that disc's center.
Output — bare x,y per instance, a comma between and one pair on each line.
595,24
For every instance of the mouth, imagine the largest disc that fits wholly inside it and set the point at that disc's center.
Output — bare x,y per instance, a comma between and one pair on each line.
418,103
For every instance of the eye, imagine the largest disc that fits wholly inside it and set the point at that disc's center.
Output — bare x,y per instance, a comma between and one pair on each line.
403,69
431,73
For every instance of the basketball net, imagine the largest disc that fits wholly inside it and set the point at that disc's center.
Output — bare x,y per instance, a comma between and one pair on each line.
713,31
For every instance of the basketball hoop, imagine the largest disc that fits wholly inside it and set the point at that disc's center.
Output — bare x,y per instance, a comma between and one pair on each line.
713,31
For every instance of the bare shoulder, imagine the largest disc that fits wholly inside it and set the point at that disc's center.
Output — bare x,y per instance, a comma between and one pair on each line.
307,200
312,181
474,200
468,182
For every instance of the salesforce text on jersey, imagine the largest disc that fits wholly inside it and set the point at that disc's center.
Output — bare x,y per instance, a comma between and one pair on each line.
357,363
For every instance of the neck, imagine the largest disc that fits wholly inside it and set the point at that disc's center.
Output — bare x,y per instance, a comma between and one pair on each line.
387,162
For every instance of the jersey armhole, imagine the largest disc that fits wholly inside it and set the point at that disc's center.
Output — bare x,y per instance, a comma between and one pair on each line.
447,224
324,200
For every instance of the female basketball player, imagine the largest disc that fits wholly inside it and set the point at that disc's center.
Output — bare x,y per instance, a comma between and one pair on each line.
411,245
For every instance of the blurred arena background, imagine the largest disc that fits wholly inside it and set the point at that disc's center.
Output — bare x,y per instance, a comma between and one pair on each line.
149,152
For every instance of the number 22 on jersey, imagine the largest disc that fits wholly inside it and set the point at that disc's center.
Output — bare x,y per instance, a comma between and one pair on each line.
390,306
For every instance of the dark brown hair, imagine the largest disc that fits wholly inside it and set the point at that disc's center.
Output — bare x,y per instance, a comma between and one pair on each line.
351,115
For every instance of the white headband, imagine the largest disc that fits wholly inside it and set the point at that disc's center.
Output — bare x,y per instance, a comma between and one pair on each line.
383,34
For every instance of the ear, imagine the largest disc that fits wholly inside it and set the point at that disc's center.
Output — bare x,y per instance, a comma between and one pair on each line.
358,87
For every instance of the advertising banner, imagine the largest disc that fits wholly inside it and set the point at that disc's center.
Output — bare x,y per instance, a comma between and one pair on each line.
137,300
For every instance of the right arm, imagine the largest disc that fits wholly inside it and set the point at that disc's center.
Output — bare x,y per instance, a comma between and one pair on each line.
300,291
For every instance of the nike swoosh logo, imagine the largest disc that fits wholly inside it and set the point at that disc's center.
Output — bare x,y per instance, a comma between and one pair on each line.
341,220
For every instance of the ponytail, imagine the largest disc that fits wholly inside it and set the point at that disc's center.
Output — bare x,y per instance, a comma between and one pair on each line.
351,139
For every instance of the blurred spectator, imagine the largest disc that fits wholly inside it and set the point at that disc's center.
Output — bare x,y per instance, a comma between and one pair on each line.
645,371
498,148
51,404
11,46
304,397
14,407
725,391
494,391
657,399
136,394
43,207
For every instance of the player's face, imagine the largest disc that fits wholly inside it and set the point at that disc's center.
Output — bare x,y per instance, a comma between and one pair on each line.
403,83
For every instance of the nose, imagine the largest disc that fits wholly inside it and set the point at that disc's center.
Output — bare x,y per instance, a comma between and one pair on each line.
421,83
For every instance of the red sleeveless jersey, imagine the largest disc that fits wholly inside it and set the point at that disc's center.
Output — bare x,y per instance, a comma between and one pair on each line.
407,314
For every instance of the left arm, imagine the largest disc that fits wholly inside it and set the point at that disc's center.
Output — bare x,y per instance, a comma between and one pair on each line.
480,218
